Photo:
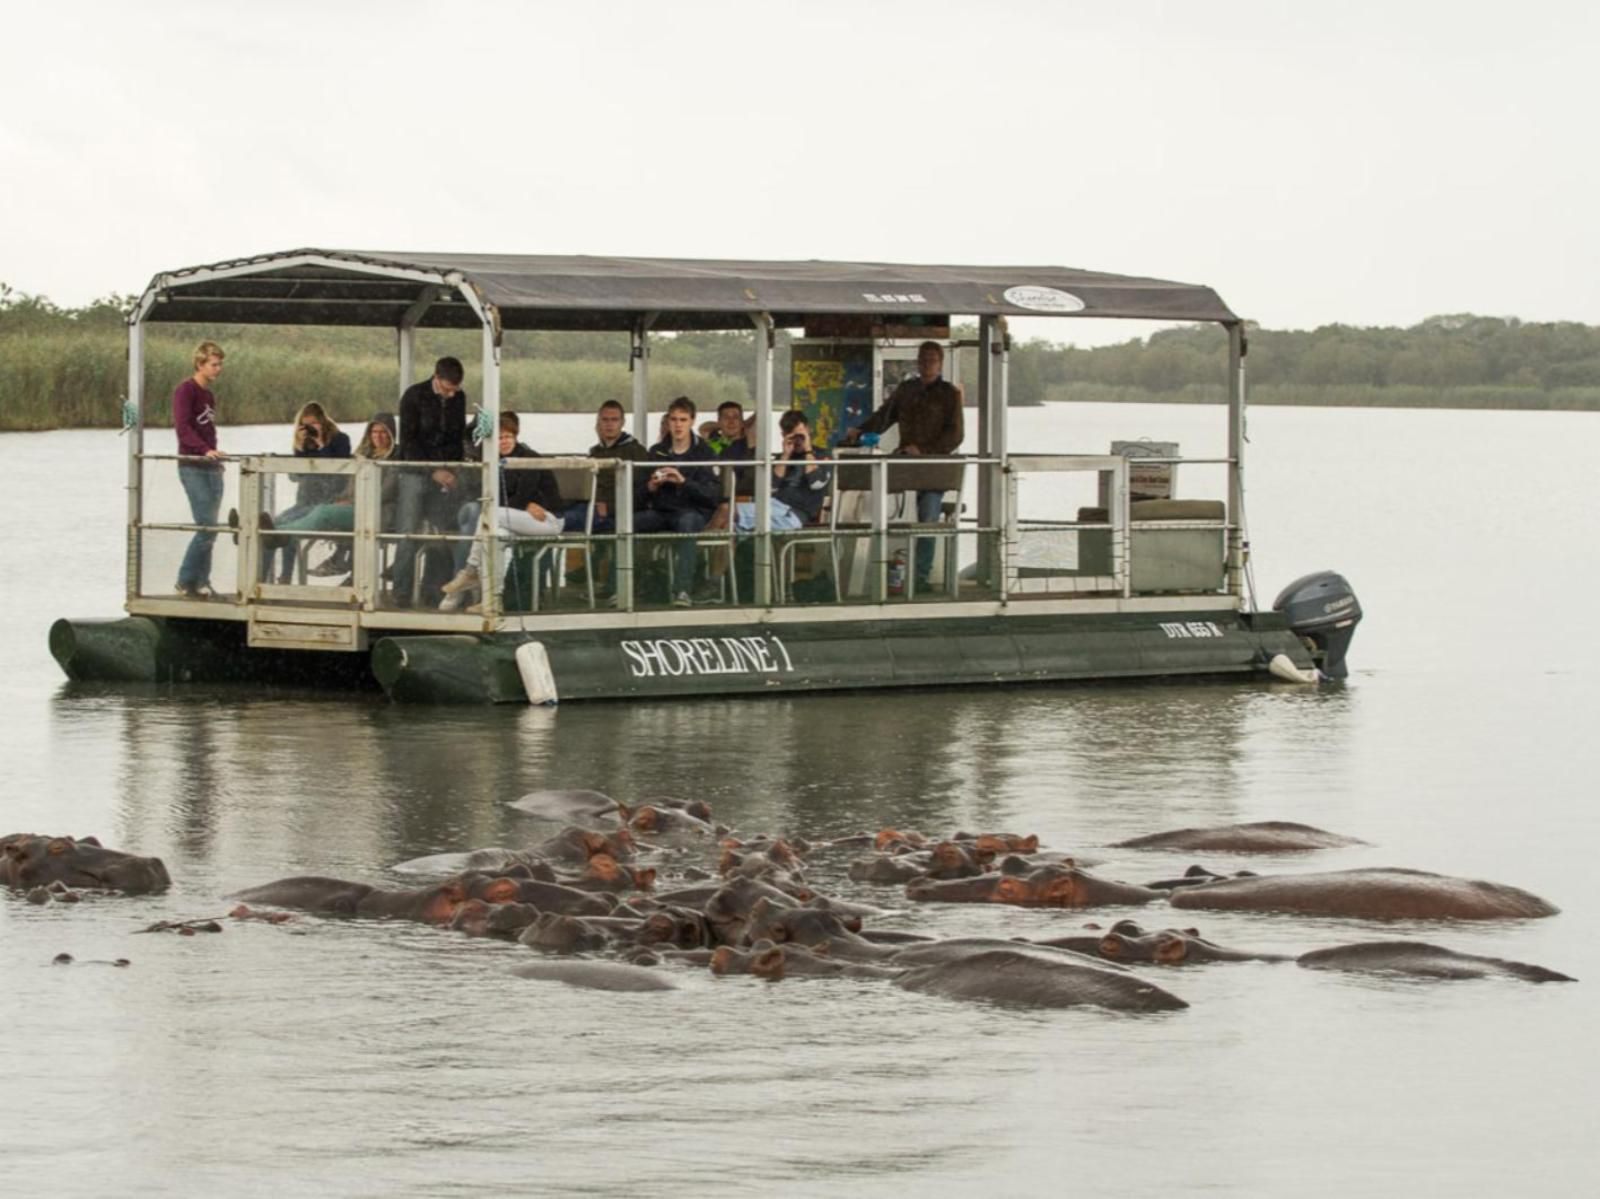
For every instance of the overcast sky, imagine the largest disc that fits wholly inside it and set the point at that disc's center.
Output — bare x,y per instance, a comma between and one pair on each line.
1367,163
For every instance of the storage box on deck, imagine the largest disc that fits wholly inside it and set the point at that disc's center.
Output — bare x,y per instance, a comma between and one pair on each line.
1167,556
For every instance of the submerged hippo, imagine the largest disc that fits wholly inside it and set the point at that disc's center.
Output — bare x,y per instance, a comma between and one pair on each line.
1127,941
589,808
1026,979
1384,894
1421,960
776,962
1045,886
1263,836
658,821
597,976
28,860
489,860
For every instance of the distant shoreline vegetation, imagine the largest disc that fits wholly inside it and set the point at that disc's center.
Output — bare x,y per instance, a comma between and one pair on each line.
66,368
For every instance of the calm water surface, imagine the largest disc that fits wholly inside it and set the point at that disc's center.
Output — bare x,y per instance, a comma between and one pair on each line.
364,1059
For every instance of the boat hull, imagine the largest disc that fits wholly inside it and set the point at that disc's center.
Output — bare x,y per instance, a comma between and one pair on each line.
632,662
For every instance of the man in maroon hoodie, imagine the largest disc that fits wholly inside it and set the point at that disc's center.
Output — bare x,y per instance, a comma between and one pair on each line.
194,417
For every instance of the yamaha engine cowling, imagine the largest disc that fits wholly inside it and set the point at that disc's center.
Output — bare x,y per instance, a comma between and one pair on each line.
1323,609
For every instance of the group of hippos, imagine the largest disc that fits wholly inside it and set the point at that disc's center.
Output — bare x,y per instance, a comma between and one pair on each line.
621,892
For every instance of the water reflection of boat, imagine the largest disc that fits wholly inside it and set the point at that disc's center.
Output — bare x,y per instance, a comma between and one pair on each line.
1013,591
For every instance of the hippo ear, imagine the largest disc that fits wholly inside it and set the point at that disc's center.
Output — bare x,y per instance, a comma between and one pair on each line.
95,841
1029,844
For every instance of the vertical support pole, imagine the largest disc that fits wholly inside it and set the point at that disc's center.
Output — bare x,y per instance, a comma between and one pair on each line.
988,510
1236,546
622,492
489,518
135,543
253,500
364,553
1011,535
639,364
1121,529
765,334
878,514
406,336
1004,496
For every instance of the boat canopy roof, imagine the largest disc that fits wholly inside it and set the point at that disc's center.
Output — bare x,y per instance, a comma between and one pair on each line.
540,291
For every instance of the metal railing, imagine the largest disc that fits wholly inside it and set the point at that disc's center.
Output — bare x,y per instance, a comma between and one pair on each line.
863,534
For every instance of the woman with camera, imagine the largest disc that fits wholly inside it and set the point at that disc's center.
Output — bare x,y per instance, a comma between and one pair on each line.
315,436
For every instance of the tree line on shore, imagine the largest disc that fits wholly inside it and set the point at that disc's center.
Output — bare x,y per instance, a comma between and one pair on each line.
66,367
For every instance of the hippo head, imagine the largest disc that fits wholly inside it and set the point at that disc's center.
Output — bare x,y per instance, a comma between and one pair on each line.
509,919
497,889
472,918
675,926
994,844
892,840
619,845
562,934
30,861
647,820
808,926
949,860
764,960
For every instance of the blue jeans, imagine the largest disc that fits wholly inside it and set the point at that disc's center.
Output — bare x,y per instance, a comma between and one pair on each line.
574,517
782,517
417,496
203,486
290,546
930,510
685,520
466,525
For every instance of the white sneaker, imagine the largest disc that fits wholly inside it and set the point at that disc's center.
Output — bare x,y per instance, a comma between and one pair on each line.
682,600
465,577
454,601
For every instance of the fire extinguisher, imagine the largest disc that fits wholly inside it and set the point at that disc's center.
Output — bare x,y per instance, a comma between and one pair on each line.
897,573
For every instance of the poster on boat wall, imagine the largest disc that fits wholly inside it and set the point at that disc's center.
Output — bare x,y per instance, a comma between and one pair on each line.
832,385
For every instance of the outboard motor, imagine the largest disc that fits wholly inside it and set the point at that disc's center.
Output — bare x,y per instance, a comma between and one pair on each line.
1323,609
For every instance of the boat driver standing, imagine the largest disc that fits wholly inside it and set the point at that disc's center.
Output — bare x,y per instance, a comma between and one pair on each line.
433,428
928,411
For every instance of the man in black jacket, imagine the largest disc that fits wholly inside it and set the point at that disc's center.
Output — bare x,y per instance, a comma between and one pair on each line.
677,498
433,428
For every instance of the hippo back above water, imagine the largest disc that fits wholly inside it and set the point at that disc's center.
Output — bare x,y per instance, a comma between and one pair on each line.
1262,836
1383,894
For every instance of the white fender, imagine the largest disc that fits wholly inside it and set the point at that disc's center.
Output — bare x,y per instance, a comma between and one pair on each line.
533,664
1281,667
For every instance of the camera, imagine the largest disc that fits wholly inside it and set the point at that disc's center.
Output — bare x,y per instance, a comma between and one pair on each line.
310,432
